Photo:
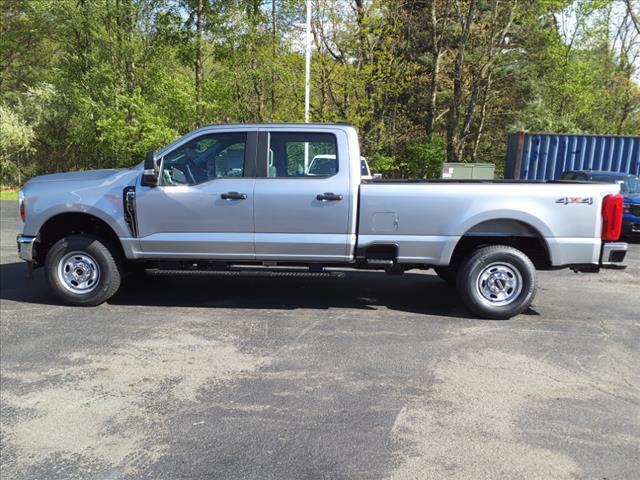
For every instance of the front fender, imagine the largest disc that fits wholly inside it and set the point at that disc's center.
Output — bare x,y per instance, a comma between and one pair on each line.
44,201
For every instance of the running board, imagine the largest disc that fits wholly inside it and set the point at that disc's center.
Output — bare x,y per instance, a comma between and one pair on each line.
243,273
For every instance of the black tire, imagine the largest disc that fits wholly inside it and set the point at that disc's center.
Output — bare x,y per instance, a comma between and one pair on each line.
448,274
93,255
505,268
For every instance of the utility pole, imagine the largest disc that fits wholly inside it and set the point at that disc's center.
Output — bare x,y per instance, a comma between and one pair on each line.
307,82
307,77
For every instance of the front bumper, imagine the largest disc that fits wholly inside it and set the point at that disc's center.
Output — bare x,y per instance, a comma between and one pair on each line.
631,219
613,255
26,247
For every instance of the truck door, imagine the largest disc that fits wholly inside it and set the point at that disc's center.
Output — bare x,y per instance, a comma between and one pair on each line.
302,196
203,204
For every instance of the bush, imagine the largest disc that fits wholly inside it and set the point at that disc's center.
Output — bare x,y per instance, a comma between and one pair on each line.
425,160
388,165
16,141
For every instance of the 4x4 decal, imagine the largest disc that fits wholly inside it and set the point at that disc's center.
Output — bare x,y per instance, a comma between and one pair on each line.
568,200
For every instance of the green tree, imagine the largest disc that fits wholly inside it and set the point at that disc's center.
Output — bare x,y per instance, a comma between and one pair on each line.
95,83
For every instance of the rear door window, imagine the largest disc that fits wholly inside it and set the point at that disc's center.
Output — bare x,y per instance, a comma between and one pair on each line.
310,155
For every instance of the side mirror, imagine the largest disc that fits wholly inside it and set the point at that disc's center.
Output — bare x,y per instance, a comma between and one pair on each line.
151,170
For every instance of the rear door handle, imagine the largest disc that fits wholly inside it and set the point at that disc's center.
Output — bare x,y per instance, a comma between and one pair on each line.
327,197
233,196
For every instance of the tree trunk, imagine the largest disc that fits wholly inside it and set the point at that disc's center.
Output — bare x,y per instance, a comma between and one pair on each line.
128,26
470,114
634,16
364,58
435,73
273,59
452,117
483,116
257,88
199,14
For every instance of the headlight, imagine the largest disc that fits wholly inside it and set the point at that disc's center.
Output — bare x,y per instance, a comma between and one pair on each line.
626,208
21,206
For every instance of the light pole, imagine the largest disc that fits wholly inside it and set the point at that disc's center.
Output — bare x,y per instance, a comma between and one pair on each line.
307,81
307,76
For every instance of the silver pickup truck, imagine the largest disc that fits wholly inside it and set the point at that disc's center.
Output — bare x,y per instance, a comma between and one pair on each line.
236,195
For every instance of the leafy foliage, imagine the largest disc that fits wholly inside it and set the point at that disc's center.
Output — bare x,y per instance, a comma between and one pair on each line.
425,160
95,83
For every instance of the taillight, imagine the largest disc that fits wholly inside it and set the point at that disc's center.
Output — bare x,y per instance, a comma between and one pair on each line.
21,206
612,207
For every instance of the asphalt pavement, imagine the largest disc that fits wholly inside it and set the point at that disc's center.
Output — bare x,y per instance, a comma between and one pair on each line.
364,376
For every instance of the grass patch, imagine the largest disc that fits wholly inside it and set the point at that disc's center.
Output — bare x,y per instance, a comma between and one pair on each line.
9,194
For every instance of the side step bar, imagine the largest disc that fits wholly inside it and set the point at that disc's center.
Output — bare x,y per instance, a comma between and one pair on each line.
243,273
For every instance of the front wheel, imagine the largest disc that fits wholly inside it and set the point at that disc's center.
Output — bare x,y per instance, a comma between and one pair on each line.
497,282
82,270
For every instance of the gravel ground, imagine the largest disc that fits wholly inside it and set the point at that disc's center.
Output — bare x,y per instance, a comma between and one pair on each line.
364,376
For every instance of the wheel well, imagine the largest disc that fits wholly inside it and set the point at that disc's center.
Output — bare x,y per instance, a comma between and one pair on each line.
512,233
66,224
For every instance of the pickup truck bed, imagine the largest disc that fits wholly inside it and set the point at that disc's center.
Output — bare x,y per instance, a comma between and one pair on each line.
427,220
292,194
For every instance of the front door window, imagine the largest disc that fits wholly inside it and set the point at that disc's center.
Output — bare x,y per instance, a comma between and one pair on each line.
205,158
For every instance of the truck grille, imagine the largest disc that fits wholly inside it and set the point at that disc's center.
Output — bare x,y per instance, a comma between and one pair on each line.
635,210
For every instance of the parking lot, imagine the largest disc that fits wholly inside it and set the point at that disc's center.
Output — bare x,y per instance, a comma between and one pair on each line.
361,376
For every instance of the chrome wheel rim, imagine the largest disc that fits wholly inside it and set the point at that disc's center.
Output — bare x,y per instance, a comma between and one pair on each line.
78,272
499,284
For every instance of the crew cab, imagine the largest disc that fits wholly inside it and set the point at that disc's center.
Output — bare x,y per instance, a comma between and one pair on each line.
229,196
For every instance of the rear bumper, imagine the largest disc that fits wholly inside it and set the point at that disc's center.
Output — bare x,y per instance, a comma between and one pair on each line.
26,247
613,255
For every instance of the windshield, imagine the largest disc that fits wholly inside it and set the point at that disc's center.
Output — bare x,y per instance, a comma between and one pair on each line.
633,186
628,185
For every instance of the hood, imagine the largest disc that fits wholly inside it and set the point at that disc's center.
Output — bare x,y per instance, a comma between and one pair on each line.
94,181
632,198
88,176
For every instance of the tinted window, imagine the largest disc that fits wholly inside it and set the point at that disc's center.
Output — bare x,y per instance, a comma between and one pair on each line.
364,169
573,176
205,158
606,178
323,165
302,155
633,185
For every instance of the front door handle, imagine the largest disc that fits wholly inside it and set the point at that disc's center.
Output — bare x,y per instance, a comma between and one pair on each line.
328,197
233,196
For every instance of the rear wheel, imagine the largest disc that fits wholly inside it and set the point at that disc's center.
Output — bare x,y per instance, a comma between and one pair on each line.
82,270
497,282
